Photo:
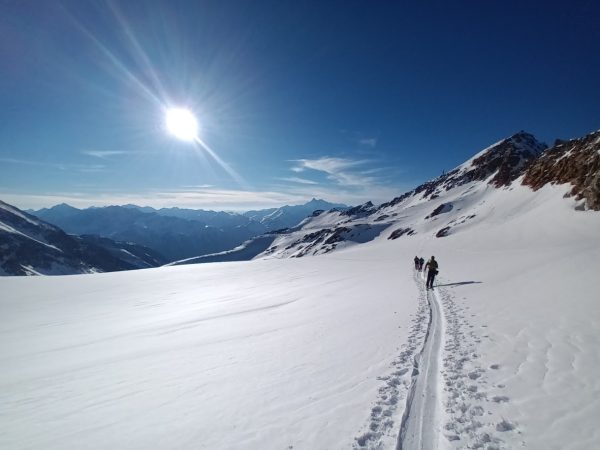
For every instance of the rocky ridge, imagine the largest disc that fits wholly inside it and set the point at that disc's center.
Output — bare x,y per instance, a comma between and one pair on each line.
576,162
518,158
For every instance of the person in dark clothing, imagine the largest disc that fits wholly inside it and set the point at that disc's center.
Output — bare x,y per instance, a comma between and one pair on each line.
421,262
416,263
432,265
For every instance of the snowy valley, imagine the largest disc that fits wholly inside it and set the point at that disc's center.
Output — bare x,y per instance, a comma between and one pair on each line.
323,336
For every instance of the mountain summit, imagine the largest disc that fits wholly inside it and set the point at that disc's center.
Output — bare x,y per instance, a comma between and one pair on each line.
499,164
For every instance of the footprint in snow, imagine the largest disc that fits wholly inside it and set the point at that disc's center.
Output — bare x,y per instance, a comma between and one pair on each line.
477,411
505,425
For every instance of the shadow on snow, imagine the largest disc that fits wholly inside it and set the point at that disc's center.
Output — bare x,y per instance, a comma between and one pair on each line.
459,283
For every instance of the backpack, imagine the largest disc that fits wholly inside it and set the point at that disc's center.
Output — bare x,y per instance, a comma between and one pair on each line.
433,265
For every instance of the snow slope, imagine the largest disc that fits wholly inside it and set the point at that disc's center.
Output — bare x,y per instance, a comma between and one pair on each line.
319,352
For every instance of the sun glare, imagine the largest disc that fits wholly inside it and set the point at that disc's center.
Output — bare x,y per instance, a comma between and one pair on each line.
181,123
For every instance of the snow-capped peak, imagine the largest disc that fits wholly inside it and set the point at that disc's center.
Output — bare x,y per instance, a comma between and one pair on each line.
499,164
505,158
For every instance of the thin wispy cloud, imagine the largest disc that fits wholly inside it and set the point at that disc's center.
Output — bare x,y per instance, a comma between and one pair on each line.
339,170
103,154
93,168
298,180
328,164
58,166
368,142
198,186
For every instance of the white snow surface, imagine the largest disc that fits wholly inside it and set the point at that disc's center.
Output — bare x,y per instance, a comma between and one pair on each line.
323,352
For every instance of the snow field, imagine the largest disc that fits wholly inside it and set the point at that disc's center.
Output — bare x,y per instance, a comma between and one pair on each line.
320,353
261,354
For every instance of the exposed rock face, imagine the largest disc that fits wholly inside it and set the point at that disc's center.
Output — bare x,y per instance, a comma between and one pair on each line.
401,232
321,241
443,232
360,211
577,162
443,208
508,159
504,162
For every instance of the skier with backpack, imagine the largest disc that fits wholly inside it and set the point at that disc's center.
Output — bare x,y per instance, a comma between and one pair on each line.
421,262
416,263
432,272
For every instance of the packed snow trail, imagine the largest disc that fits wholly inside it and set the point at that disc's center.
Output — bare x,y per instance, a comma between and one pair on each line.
421,427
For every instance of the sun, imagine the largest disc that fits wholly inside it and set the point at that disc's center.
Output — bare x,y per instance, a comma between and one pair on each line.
181,123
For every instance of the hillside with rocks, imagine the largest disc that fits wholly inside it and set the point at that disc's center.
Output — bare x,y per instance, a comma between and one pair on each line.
576,162
446,204
30,246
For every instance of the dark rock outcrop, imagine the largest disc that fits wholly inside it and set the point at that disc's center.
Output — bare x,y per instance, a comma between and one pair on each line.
443,232
577,162
401,232
363,210
443,208
501,163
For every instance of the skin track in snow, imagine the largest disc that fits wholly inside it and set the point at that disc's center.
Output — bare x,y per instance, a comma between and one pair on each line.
420,428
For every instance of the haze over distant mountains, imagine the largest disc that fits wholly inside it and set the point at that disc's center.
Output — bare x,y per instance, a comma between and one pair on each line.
177,233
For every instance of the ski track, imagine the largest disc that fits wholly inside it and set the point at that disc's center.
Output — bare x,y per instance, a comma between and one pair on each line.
420,427
444,388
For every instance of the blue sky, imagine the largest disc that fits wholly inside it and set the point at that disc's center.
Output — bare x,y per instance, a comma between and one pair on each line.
349,101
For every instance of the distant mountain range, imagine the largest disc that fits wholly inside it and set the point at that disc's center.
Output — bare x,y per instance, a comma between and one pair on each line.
30,246
289,216
173,233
